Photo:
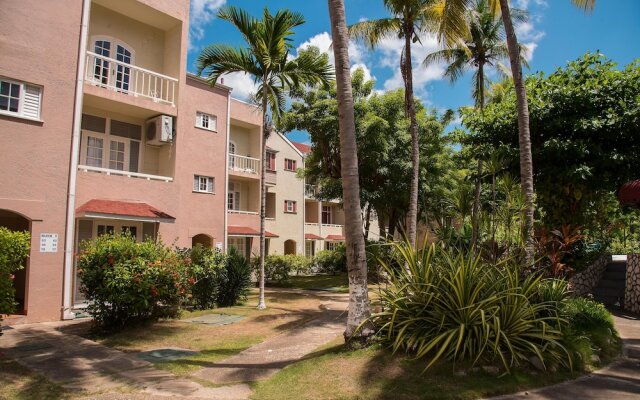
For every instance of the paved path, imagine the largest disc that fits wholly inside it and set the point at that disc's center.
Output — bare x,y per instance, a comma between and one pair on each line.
618,381
265,359
79,364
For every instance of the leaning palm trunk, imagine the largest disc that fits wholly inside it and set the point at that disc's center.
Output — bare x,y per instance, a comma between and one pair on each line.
357,329
407,76
524,137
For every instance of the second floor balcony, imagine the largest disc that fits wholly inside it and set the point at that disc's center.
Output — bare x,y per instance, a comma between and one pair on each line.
120,75
244,165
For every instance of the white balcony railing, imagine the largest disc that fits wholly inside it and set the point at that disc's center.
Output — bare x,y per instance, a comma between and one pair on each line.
244,164
243,212
309,191
129,79
108,171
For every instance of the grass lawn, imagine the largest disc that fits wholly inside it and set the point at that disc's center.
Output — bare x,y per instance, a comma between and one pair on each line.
374,373
285,311
338,283
20,383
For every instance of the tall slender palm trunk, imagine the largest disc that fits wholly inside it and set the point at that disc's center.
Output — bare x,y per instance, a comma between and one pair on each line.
266,131
475,213
407,76
359,310
524,137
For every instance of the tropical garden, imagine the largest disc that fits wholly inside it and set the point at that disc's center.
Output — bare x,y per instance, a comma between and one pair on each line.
483,225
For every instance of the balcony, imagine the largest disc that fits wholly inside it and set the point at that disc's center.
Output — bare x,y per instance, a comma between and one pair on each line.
244,165
107,171
129,79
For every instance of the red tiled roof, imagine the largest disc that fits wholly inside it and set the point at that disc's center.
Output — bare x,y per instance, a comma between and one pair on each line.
304,148
335,237
130,209
629,193
246,231
312,236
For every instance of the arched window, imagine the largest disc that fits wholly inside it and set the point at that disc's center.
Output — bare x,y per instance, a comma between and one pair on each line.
108,73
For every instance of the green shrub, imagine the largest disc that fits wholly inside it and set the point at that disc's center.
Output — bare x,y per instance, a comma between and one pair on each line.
331,261
127,282
278,268
552,290
204,266
234,279
586,315
462,309
298,264
14,249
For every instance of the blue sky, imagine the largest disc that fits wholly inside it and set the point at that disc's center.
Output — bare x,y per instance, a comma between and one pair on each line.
557,32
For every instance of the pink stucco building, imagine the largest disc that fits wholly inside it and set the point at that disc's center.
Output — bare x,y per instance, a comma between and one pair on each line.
114,135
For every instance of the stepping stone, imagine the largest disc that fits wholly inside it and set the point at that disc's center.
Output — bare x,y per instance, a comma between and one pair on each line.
32,346
168,354
215,319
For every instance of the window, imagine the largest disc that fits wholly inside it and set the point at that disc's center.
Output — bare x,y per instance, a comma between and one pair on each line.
20,99
111,144
290,206
326,215
233,198
203,184
271,161
206,121
331,245
289,165
238,243
309,248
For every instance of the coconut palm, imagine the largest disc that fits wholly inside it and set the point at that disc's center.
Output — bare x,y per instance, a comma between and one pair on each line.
482,47
359,311
409,18
266,58
454,25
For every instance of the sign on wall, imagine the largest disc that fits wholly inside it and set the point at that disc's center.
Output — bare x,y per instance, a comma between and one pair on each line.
48,242
219,246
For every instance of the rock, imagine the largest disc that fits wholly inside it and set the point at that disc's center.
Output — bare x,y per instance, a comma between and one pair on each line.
460,373
595,359
537,363
490,369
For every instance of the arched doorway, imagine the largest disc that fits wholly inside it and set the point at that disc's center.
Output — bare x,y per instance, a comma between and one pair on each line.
17,222
202,239
290,247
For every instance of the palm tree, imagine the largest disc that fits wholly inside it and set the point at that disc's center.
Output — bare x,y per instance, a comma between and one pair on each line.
483,46
267,59
408,19
359,310
453,25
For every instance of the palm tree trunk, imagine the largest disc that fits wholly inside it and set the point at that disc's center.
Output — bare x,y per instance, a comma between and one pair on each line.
359,310
524,137
367,222
475,216
407,75
263,196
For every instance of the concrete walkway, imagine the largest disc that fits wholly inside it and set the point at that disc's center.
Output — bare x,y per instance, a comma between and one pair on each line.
618,381
79,364
265,359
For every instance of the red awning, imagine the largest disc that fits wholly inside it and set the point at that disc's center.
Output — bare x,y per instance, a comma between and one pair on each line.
311,236
119,209
335,237
246,231
629,193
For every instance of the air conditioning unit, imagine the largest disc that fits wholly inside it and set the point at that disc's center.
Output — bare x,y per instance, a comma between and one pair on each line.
159,130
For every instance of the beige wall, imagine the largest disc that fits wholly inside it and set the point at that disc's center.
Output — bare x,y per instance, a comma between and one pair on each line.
287,226
34,165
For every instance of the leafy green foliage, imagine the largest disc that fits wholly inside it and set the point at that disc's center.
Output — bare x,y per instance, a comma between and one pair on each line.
278,268
127,282
14,249
586,315
331,261
234,279
584,120
204,266
459,308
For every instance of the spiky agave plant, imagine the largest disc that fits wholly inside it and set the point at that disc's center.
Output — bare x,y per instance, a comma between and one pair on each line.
456,307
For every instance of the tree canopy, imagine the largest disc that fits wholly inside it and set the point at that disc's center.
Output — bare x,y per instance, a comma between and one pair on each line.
585,126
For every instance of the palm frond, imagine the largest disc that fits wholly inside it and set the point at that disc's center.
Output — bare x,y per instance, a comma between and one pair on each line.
240,19
372,32
586,5
219,59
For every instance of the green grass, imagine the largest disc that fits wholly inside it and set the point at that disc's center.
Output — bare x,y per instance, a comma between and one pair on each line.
19,383
338,283
374,373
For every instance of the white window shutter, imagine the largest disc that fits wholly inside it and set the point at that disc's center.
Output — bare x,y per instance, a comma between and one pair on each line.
236,200
31,105
196,183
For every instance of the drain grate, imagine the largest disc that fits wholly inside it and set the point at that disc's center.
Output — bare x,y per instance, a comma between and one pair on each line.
215,319
168,354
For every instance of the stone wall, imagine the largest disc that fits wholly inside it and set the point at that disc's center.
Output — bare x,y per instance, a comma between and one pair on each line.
632,288
583,283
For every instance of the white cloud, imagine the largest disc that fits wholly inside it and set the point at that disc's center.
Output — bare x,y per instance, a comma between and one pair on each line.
242,84
531,47
323,42
365,69
201,12
524,4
